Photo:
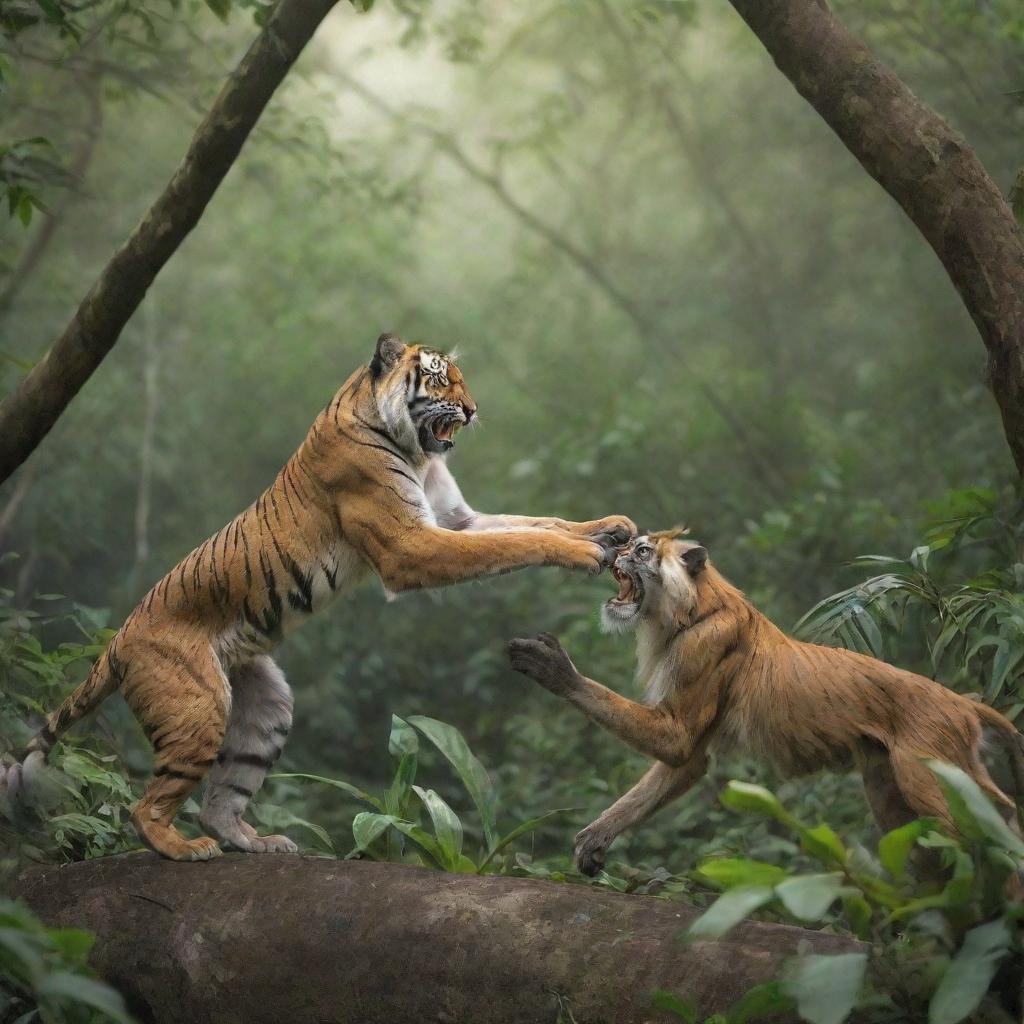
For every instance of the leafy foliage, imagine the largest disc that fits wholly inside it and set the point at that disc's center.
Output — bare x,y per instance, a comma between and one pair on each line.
968,616
935,950
397,813
43,974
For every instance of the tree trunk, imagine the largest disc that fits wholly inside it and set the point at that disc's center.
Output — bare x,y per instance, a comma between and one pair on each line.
928,168
29,412
246,939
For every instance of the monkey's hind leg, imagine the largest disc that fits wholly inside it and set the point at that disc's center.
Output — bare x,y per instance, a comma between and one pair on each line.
261,715
181,697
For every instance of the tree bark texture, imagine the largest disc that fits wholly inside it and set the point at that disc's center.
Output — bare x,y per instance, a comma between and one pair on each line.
28,413
927,167
250,939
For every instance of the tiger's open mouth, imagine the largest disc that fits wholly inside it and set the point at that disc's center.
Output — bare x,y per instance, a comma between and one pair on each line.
437,434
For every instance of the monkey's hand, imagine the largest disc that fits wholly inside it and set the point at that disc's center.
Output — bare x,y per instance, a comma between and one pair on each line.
544,660
588,856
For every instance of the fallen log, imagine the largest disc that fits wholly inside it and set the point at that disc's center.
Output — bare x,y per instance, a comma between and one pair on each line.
246,939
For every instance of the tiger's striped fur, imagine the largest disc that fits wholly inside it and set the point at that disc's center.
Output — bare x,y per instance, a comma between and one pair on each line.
367,492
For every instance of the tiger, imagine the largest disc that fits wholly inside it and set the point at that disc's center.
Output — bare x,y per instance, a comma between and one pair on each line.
368,492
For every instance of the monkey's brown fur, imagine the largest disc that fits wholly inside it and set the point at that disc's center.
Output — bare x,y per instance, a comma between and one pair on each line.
720,675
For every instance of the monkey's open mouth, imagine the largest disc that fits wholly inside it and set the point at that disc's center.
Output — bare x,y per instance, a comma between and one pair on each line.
630,591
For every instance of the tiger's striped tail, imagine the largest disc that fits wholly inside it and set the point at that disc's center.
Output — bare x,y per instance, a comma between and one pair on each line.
100,684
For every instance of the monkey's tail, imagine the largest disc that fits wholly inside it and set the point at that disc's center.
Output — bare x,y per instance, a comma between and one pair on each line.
1013,745
102,681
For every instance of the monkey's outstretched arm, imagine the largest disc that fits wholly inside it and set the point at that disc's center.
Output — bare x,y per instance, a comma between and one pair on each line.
660,785
654,731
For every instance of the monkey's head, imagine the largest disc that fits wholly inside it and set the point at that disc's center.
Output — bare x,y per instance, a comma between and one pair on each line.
657,575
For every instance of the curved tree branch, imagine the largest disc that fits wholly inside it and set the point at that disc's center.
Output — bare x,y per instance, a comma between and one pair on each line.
927,167
28,413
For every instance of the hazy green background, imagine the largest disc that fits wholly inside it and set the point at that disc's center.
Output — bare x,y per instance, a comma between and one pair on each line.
675,294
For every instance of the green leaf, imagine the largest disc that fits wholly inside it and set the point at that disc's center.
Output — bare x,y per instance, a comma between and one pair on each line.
972,810
222,8
751,799
727,911
345,787
826,988
821,842
858,913
894,847
809,896
367,827
64,986
730,872
447,827
759,1002
402,739
474,776
521,830
970,972
662,1000
396,799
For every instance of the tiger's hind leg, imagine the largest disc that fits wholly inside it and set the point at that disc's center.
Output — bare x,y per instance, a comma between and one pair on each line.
261,715
180,695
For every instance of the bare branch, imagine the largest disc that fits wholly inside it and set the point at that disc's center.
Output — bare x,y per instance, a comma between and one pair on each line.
27,414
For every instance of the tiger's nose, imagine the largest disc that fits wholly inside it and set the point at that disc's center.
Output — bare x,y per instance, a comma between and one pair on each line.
470,410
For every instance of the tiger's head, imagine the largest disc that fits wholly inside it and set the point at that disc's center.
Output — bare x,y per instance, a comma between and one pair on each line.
421,394
657,575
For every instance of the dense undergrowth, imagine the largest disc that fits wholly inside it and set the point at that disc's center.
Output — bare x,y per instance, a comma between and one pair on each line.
802,851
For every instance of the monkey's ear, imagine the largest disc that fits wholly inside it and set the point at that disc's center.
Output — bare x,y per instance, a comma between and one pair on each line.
695,559
390,349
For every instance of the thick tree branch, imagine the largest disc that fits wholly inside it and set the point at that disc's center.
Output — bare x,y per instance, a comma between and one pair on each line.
28,413
927,167
247,939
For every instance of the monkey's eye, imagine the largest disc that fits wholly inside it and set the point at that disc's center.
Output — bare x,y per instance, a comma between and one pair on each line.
644,552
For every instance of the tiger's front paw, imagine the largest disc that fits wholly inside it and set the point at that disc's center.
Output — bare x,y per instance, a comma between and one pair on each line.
613,530
544,660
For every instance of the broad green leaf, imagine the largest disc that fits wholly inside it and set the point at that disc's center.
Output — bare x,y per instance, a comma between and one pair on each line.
966,800
858,914
751,799
662,1000
809,896
894,847
345,787
447,827
821,842
367,827
402,739
24,948
968,976
727,911
521,830
474,776
759,1002
396,798
826,988
730,872
63,986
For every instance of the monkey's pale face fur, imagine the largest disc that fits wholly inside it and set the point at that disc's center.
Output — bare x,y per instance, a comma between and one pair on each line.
655,574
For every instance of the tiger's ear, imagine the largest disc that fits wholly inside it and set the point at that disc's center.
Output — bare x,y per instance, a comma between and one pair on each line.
695,559
390,349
